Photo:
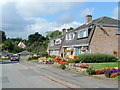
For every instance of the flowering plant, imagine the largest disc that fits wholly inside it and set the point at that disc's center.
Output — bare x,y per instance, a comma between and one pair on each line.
83,49
114,52
115,74
90,70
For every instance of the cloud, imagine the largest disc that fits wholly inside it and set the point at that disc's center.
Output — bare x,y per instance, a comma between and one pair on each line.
42,8
116,12
86,12
66,18
21,19
42,26
73,24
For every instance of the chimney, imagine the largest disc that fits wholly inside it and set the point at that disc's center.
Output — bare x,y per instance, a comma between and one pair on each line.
88,18
63,31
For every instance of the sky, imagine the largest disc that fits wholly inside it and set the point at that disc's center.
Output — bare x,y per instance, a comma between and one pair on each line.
20,19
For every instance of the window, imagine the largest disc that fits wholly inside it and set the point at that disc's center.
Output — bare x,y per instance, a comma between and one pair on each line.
83,33
70,36
52,43
57,41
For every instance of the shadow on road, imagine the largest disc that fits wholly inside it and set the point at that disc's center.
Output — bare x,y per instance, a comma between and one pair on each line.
7,62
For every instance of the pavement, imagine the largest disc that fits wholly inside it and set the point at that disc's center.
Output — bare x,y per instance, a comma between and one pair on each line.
68,78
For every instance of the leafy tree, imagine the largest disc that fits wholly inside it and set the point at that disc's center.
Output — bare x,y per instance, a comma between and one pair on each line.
35,37
2,36
36,43
70,29
8,45
52,34
17,49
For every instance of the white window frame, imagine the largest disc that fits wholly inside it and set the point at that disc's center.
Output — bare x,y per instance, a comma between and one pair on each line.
52,43
83,33
68,36
57,40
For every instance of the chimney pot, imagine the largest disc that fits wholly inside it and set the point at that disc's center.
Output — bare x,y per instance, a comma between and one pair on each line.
63,31
88,18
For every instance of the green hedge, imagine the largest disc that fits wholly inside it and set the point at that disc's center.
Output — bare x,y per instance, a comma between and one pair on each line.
95,58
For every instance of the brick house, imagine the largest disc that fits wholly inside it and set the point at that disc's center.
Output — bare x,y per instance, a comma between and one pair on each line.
101,35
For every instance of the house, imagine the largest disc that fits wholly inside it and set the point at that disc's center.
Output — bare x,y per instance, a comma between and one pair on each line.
55,45
24,54
101,35
5,53
22,45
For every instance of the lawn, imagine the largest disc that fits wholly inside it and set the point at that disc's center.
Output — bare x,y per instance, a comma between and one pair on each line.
103,65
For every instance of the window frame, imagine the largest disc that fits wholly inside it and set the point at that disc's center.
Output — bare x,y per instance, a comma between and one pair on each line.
82,33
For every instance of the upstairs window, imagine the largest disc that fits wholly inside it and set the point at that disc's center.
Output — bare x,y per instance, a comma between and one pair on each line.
82,33
52,43
57,41
70,36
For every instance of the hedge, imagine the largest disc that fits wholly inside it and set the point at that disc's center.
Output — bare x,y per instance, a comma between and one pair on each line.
95,58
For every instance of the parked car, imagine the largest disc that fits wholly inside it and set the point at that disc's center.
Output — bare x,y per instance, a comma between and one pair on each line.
4,57
14,58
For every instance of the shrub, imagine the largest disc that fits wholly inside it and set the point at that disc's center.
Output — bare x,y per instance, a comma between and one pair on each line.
72,61
107,73
42,58
44,54
95,58
62,66
90,70
53,56
27,59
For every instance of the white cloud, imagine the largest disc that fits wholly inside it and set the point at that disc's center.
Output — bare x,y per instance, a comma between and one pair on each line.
66,18
21,19
86,11
42,26
73,24
116,12
41,8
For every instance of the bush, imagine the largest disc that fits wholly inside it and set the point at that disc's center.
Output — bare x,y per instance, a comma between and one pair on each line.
107,73
44,54
53,56
95,58
90,70
72,61
62,66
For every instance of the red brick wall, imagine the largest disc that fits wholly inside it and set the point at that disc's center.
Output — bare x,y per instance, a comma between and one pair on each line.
104,40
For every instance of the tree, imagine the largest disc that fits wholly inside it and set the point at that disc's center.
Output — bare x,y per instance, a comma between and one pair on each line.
52,34
2,36
35,37
36,42
8,45
70,29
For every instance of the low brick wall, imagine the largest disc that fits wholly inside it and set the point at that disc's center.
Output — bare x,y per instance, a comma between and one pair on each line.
71,67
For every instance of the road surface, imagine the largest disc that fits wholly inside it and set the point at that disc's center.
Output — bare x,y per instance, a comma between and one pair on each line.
15,75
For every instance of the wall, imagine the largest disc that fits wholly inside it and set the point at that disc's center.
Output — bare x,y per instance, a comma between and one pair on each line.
104,40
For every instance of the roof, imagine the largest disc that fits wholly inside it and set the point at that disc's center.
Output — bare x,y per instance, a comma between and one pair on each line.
57,46
5,53
24,52
99,21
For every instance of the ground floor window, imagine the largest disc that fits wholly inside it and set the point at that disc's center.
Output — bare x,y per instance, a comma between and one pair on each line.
79,50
